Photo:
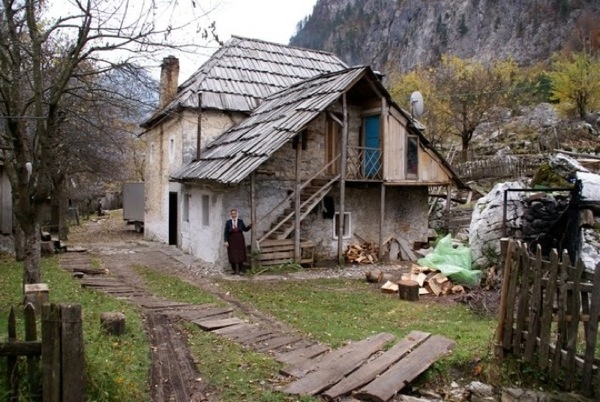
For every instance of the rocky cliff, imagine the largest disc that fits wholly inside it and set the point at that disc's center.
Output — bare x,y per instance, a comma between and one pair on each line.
397,35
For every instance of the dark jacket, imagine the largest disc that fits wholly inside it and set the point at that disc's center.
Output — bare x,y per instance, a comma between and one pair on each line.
240,224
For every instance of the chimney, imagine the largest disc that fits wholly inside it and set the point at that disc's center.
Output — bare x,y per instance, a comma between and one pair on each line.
169,77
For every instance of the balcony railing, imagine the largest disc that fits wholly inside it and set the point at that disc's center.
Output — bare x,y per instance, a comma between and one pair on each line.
363,163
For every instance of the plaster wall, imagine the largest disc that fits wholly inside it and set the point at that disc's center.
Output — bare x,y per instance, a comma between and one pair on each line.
170,145
405,217
282,164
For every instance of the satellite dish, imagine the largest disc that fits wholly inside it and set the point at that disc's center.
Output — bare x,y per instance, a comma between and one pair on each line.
416,104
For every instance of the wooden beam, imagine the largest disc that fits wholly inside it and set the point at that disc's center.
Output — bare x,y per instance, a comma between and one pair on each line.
343,157
297,255
253,238
381,220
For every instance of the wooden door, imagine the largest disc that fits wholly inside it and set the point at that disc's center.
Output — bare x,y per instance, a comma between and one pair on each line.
372,160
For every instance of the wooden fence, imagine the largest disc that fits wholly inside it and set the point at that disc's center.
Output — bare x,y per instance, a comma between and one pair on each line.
496,168
549,314
54,366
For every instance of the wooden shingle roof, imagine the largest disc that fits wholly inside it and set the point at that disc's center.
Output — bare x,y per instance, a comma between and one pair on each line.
240,150
245,71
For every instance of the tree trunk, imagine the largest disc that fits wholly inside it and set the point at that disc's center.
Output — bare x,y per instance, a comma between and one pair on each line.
19,240
62,201
31,263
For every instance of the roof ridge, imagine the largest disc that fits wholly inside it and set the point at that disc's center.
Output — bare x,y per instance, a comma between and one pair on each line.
287,46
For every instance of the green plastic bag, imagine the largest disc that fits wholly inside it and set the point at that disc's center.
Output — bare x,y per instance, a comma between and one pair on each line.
455,263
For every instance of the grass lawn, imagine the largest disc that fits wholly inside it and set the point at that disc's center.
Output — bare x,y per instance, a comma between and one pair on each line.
332,311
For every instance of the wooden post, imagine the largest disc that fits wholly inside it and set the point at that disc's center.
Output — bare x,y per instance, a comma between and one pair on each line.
33,362
73,359
12,369
591,337
408,290
113,323
253,238
63,361
297,199
51,373
343,157
381,220
199,128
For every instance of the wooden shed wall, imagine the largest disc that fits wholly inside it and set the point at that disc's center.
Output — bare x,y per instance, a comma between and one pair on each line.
430,168
394,150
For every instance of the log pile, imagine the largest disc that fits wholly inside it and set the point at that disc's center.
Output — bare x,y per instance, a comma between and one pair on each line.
430,281
364,253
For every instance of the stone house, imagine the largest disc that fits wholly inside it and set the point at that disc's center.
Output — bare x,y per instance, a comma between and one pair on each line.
294,139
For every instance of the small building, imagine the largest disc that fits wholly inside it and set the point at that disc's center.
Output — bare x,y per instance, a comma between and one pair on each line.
293,139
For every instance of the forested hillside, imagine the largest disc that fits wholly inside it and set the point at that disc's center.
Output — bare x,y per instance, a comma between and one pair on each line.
398,35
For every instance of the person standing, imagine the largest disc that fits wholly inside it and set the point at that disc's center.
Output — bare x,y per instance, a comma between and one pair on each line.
235,242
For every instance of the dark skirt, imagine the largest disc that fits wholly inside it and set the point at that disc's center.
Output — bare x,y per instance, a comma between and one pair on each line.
237,247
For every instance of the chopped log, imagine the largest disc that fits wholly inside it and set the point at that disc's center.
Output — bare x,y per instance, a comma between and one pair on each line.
389,287
458,289
113,323
36,294
435,283
374,276
408,290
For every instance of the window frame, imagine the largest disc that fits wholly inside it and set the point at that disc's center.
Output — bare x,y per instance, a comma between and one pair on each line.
347,227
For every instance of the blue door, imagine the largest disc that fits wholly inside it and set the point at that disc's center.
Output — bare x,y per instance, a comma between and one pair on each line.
371,162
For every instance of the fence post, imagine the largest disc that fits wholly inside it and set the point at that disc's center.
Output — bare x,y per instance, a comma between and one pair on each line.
62,353
11,371
51,353
33,362
72,356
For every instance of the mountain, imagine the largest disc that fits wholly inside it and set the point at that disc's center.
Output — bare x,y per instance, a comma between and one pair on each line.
398,35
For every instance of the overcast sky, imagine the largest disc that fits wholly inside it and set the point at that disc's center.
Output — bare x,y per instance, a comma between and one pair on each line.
270,20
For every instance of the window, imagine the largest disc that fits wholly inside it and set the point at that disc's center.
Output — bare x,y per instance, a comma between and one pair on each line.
347,225
171,149
186,207
205,210
412,157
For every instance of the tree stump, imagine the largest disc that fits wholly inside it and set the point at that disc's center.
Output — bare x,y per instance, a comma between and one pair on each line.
36,294
113,323
408,290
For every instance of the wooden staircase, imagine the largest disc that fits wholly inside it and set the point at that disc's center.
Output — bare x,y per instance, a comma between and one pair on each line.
275,245
310,196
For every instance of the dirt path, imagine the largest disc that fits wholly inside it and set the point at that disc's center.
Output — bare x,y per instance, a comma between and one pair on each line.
174,376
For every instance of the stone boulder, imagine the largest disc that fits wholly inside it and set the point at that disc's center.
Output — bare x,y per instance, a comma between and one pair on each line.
486,226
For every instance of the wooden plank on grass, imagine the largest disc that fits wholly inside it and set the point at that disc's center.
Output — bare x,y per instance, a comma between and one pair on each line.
235,330
250,342
277,342
252,334
375,367
209,325
407,369
334,370
300,355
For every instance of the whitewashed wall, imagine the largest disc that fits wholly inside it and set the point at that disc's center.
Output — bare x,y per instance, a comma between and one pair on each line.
405,217
170,145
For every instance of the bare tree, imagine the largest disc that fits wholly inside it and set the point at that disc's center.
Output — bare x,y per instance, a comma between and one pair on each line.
53,71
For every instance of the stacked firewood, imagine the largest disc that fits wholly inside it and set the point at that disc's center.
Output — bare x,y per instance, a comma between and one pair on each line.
430,281
364,253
